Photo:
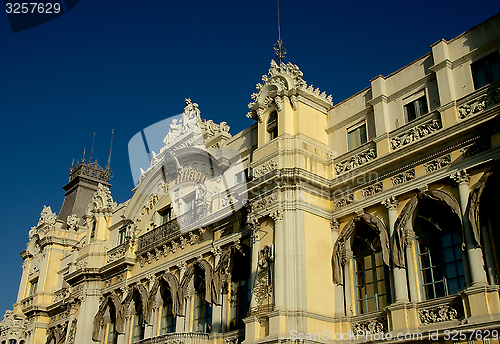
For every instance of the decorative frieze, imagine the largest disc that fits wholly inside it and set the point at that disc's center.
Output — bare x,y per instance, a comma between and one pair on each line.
263,169
475,148
403,177
117,252
372,190
355,161
437,163
370,326
480,104
343,200
416,133
440,313
264,202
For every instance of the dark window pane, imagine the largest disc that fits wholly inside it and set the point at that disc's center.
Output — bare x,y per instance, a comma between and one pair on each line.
451,270
447,240
448,255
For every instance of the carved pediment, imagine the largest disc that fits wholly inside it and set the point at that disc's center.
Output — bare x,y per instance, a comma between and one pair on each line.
47,217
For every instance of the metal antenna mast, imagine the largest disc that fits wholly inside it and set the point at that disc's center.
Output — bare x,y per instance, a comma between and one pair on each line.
279,47
110,147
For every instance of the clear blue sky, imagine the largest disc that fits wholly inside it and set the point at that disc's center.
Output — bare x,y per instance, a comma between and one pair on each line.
125,65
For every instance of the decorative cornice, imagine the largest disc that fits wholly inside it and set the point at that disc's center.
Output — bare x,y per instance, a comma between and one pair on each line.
266,167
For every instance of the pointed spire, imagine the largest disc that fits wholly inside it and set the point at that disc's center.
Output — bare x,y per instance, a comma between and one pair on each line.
83,159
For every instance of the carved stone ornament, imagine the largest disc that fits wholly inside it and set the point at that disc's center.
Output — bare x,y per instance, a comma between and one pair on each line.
460,177
439,314
355,161
437,163
480,104
370,326
283,81
390,203
334,225
372,190
264,202
72,222
277,215
266,167
475,148
343,200
416,133
403,177
102,203
47,217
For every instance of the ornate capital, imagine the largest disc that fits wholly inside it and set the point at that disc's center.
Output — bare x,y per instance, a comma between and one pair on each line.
391,203
460,177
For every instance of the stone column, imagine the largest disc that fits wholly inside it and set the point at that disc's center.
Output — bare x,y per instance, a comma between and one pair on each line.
348,257
412,282
216,309
400,291
339,290
475,255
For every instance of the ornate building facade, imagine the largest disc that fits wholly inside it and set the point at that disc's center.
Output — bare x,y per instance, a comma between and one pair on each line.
319,222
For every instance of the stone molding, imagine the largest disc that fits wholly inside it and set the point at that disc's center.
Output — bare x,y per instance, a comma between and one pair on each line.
440,313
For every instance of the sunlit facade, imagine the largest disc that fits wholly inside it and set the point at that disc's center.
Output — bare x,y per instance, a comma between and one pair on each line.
374,215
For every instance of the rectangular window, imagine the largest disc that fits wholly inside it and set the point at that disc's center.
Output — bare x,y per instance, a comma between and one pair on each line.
33,285
415,106
121,235
92,232
486,70
166,215
112,334
188,203
240,303
240,177
356,137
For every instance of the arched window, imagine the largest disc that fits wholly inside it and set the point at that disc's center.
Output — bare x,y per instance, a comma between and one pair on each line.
167,317
12,341
272,125
203,310
439,250
138,324
240,290
370,272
